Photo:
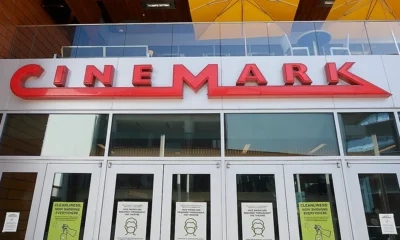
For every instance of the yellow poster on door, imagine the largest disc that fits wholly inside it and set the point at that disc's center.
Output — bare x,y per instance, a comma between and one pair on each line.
316,221
65,222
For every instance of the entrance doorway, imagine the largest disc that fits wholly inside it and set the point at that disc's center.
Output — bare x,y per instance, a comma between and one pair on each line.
374,195
172,201
294,201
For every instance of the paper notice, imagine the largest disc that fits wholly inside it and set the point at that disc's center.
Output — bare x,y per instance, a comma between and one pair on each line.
131,221
387,224
11,222
258,221
191,221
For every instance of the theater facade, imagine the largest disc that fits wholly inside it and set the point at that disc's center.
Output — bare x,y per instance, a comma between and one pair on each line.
230,146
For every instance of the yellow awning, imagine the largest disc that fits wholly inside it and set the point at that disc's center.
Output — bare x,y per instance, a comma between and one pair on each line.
242,10
365,10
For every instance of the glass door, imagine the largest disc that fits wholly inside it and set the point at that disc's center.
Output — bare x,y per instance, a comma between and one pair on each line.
20,189
316,202
256,202
132,202
68,205
374,196
191,207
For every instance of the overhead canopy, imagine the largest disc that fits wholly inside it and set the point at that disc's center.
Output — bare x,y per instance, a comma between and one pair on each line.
242,10
365,10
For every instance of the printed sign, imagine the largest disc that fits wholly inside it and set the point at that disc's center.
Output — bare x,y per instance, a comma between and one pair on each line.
316,220
258,221
387,224
65,222
191,221
131,221
11,222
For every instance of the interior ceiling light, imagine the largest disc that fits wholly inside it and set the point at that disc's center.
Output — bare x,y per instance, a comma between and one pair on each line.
158,5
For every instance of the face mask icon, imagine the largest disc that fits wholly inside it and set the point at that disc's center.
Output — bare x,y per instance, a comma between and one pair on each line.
190,226
130,226
258,228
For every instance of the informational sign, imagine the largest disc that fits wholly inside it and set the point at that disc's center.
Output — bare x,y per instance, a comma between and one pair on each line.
131,221
258,221
316,220
65,222
191,221
11,222
387,224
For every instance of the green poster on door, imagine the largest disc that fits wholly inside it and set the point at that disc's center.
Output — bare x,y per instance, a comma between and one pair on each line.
316,221
65,222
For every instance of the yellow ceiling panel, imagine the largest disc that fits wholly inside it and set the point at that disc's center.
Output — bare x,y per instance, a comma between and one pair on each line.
279,10
206,10
365,10
242,10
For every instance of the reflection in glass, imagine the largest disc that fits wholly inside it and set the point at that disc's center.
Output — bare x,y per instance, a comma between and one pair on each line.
196,40
380,194
70,187
369,134
191,188
280,135
16,193
54,135
133,188
316,188
256,188
166,135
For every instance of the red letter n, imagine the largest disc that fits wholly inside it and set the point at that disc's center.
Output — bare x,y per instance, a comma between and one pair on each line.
295,70
92,73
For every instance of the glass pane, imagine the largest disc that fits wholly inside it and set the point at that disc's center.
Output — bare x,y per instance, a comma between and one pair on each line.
68,205
16,193
166,135
133,203
280,135
316,206
54,135
369,134
191,206
255,194
381,194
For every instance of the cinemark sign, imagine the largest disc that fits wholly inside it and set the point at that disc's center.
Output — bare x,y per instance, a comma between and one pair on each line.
142,83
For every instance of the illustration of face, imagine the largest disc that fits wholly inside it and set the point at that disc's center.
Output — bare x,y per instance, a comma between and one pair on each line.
258,227
130,225
190,226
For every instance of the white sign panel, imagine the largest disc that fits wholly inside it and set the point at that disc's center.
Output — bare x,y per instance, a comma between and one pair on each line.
131,221
387,224
258,221
11,222
191,221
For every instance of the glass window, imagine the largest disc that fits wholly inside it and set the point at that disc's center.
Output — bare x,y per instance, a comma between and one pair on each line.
71,190
16,193
369,134
380,194
191,188
54,135
280,135
256,188
166,135
315,194
132,191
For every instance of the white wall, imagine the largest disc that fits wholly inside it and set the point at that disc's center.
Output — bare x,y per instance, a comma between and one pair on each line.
379,70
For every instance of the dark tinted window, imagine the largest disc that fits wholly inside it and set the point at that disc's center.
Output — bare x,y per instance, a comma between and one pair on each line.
280,135
166,135
369,134
54,135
